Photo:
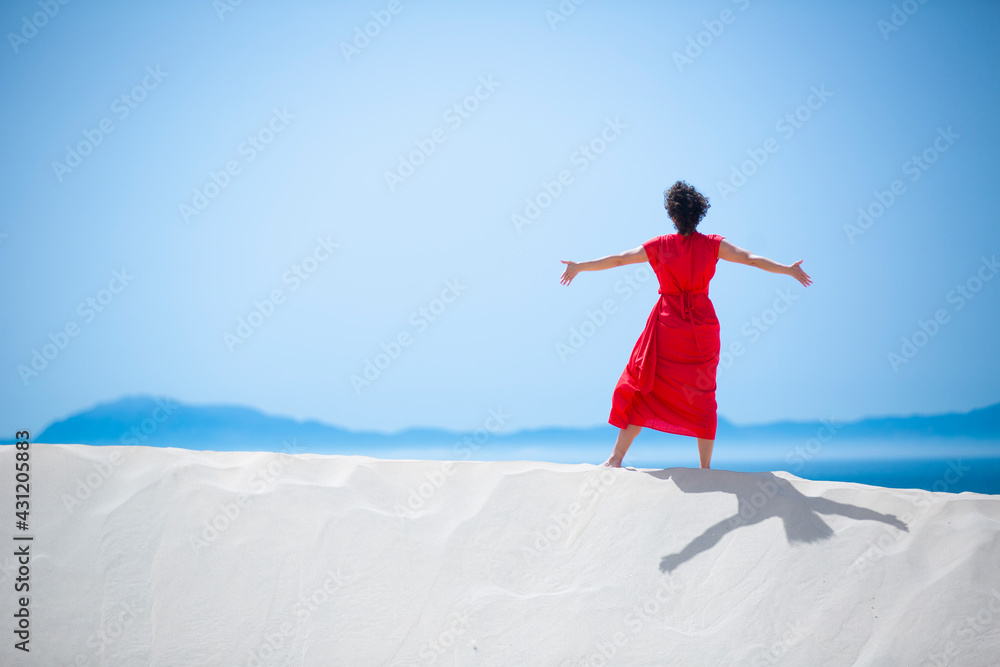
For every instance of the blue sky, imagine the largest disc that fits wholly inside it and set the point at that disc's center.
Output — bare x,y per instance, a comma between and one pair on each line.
245,171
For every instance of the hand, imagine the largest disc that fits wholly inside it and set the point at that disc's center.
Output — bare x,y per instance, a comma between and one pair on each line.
795,271
572,268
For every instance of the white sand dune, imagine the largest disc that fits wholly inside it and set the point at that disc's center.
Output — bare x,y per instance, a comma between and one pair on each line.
146,556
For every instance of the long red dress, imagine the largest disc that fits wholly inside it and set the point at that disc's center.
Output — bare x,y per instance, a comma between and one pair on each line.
669,381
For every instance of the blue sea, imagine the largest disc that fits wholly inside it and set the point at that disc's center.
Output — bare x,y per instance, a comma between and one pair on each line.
951,475
951,465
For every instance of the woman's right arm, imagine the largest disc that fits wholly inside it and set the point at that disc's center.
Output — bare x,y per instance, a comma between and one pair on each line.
732,253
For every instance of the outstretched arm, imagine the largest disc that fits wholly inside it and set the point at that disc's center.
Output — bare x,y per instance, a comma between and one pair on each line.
731,253
633,256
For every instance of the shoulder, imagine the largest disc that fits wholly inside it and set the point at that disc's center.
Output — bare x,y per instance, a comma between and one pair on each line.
654,242
654,248
715,243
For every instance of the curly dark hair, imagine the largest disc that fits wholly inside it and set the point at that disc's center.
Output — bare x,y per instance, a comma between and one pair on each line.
685,205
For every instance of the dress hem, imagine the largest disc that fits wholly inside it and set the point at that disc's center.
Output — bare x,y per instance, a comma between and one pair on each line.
666,427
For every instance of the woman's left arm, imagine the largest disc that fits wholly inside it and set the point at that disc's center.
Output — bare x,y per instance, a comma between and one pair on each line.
633,256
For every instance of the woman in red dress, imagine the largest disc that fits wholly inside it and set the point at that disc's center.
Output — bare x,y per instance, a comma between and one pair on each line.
669,381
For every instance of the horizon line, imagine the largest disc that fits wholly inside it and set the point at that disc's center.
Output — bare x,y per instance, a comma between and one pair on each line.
499,432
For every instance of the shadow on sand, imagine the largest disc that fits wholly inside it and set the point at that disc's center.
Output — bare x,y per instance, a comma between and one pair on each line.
760,496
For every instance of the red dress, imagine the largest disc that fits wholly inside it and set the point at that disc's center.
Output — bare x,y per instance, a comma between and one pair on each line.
669,382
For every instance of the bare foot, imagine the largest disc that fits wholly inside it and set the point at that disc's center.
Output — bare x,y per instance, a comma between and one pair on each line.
612,462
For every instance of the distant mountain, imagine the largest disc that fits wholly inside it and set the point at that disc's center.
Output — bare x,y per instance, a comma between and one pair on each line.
982,423
163,422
